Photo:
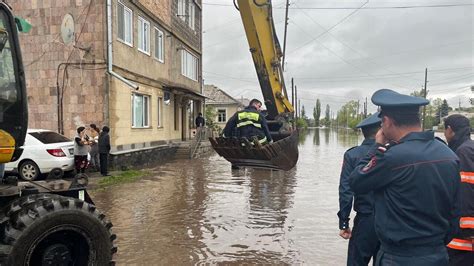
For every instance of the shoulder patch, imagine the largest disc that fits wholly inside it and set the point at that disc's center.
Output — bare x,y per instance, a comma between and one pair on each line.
371,164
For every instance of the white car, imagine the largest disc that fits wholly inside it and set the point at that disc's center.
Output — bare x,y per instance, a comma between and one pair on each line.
43,151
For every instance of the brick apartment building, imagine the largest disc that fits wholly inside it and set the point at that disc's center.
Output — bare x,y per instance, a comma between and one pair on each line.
134,65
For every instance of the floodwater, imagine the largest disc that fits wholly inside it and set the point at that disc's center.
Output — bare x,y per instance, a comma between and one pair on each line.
200,212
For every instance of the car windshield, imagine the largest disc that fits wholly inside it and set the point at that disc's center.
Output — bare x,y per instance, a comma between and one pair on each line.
48,137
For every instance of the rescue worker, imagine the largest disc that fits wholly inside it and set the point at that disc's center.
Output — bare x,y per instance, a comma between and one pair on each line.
458,134
415,180
363,242
249,123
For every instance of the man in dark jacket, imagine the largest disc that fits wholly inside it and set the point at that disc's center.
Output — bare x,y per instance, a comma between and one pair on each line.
249,123
458,134
415,180
104,149
199,121
363,242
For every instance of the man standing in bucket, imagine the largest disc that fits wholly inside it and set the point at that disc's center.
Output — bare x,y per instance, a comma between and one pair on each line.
458,134
415,180
249,123
363,242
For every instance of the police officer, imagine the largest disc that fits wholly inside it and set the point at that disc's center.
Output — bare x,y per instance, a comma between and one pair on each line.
415,180
363,243
249,123
458,134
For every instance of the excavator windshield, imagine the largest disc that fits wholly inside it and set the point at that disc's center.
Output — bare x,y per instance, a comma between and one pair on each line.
13,105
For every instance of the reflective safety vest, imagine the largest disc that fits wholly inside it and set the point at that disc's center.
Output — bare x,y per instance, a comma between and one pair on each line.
464,222
248,118
461,244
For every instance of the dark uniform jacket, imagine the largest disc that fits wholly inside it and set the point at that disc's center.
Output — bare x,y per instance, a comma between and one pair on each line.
104,142
247,127
462,240
416,187
362,203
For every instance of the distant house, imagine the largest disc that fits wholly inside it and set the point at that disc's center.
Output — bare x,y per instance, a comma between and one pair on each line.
224,104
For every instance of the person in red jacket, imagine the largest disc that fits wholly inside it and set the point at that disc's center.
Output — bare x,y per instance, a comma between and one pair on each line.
458,134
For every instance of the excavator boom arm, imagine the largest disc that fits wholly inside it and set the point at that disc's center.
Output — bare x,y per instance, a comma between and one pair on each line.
266,54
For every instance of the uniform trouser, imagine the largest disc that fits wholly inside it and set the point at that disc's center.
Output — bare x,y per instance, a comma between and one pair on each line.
103,163
364,243
438,258
460,257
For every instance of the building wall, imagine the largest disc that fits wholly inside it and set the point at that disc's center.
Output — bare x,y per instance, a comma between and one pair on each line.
161,9
231,110
43,51
125,137
131,59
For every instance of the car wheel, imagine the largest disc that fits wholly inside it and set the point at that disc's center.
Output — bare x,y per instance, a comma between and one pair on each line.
29,171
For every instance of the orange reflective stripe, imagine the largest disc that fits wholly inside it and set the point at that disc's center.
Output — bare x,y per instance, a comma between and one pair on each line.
460,244
467,177
466,222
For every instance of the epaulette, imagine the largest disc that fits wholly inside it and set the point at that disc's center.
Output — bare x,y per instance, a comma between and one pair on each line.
351,148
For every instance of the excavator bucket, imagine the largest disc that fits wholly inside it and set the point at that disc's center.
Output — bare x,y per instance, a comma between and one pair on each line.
281,154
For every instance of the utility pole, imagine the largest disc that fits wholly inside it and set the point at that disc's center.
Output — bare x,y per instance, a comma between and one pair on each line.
296,101
292,93
365,108
424,96
459,105
284,36
299,108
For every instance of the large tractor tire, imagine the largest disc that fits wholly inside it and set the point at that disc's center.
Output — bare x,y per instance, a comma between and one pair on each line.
47,229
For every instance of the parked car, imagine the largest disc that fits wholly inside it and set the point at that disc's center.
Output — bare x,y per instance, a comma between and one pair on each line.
43,151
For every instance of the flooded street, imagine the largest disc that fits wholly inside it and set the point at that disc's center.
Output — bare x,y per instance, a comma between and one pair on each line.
199,211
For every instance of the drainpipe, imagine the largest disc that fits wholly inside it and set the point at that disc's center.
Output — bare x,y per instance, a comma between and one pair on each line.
109,48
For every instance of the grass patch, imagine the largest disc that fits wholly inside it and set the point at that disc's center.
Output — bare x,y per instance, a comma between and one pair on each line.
123,177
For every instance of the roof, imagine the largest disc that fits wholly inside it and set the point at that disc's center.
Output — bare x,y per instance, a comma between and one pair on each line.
218,96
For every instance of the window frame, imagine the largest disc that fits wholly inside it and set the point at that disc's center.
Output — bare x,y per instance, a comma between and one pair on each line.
192,15
181,8
186,70
225,115
145,115
141,22
159,116
125,9
157,32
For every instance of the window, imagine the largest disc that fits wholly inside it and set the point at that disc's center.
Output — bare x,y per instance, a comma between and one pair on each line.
143,36
192,14
140,110
182,9
159,46
189,65
221,115
49,137
125,26
160,112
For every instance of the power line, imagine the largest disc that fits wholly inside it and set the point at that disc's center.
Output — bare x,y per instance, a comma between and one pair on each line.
357,8
332,27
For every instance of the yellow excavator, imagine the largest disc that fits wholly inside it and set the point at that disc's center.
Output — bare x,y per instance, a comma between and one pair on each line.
266,53
49,222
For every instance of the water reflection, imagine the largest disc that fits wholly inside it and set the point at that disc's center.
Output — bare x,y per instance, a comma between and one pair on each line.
201,211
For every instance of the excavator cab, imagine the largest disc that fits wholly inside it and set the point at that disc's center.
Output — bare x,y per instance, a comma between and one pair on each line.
13,101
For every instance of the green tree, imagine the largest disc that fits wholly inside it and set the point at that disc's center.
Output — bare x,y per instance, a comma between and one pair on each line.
210,115
303,113
442,111
317,113
347,116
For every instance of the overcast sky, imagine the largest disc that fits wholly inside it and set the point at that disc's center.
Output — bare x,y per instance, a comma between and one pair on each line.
338,55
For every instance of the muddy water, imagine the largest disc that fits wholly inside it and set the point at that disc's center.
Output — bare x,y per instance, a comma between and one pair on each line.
201,212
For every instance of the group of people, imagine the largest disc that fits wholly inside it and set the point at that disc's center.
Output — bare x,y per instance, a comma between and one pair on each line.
97,144
413,194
